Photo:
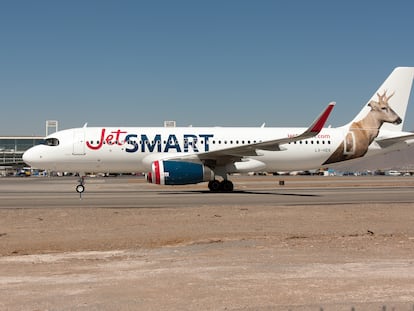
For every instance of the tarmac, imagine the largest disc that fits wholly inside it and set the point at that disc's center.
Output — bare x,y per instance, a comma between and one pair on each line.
331,243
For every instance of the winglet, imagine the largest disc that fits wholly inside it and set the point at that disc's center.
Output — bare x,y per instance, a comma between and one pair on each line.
320,121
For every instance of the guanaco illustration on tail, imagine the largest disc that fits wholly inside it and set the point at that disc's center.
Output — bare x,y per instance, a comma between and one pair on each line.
362,133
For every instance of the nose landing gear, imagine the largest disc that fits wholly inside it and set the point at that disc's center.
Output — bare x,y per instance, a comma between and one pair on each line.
80,188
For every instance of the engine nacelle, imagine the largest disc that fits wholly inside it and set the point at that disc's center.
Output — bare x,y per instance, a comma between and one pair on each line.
178,173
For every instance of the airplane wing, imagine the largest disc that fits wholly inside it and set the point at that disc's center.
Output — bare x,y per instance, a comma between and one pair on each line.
234,154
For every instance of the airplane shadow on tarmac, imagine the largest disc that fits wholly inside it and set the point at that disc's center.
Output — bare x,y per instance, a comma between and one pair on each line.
238,192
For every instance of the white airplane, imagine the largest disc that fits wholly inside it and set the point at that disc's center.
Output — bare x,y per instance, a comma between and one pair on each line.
190,155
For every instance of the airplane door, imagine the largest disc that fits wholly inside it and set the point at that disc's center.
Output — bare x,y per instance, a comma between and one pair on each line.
79,142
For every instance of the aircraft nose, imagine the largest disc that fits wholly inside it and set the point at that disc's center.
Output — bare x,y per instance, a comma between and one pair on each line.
31,156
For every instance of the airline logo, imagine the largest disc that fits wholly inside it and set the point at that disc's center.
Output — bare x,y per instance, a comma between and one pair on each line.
156,143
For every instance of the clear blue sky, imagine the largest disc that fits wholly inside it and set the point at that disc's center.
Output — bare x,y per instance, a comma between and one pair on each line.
205,63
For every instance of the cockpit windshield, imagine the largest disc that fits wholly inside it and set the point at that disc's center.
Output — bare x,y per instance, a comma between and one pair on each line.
50,142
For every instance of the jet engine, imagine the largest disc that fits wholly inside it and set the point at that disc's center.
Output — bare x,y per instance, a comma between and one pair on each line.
166,172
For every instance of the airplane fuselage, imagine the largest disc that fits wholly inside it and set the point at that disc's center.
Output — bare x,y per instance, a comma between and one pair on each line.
129,149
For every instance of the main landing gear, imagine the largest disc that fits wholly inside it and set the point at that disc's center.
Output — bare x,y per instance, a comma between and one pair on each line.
220,186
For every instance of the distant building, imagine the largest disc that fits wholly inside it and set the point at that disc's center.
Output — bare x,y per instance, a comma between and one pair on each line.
169,124
13,147
52,126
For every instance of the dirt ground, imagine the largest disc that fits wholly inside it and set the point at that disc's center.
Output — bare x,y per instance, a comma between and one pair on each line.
330,257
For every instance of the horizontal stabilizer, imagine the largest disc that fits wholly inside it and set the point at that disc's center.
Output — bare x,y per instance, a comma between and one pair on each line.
388,142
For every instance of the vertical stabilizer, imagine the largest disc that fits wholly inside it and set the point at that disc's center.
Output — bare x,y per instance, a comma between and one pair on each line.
397,89
385,112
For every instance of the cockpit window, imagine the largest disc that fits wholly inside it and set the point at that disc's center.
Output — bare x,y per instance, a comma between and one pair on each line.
51,142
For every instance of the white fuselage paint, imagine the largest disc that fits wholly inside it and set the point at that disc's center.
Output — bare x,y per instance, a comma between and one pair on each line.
130,149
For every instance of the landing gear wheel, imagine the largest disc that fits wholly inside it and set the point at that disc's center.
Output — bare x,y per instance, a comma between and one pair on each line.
226,186
214,185
80,188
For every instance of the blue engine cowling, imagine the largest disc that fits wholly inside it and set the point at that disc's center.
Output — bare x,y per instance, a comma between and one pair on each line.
178,173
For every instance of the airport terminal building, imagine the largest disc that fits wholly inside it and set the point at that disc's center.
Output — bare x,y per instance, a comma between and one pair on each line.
12,149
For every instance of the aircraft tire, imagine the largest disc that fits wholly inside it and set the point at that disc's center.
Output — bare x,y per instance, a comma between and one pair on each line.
214,185
80,188
226,186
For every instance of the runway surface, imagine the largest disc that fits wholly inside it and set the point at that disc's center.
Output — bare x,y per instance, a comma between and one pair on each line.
135,193
317,242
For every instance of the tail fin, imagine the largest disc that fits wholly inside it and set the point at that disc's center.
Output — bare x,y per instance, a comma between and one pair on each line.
398,88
